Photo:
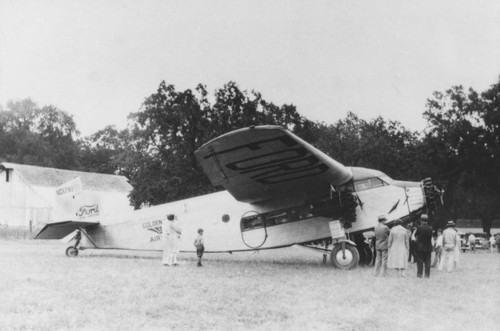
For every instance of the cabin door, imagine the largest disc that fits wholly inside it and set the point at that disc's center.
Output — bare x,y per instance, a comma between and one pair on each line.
253,229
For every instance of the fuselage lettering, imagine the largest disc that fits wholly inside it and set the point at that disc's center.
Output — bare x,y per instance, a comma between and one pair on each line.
155,239
86,211
147,225
64,190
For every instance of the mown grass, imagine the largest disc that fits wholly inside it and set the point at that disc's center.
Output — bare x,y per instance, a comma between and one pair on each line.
15,232
42,289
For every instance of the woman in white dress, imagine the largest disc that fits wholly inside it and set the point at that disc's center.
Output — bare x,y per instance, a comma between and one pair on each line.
171,240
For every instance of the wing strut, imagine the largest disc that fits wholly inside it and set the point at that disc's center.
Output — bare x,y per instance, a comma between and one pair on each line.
217,162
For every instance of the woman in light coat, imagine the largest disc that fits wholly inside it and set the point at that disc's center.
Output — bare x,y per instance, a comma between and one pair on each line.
171,240
399,246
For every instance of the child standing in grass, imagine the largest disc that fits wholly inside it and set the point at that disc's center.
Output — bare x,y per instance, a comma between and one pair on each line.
200,247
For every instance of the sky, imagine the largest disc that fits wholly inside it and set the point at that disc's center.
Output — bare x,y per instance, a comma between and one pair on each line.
99,60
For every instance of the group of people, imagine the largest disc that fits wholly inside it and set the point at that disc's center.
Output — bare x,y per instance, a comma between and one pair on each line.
172,232
493,242
447,247
393,247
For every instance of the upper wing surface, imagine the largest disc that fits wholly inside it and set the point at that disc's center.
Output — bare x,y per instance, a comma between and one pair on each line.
265,162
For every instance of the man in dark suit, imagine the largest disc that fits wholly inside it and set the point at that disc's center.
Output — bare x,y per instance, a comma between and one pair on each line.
423,234
413,245
381,246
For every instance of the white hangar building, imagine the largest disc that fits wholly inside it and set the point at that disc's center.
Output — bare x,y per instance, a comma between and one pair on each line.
28,193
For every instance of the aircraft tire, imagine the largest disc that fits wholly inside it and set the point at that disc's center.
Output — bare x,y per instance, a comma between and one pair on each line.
351,259
71,251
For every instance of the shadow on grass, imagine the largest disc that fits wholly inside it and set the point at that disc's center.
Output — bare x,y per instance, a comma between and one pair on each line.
284,257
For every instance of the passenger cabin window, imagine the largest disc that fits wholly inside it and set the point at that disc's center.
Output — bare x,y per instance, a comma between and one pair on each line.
321,208
252,222
367,184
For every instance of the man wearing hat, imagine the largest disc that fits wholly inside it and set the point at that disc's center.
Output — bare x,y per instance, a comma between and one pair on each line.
449,243
423,236
381,246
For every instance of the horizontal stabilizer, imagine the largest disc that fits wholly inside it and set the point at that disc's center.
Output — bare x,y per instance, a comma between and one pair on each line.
59,230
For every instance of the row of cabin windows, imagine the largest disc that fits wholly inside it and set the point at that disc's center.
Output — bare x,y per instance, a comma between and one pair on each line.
323,208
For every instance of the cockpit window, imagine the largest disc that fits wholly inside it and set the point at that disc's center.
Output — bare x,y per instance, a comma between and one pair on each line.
369,183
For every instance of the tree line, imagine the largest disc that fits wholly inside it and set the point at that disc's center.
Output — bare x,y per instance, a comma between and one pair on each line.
459,149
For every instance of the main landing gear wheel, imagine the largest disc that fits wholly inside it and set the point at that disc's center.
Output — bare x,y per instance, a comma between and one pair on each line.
72,251
347,258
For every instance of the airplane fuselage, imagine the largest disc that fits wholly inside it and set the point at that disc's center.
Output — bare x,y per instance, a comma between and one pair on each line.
230,225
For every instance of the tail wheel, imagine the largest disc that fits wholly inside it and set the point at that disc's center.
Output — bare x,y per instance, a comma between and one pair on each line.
344,256
72,251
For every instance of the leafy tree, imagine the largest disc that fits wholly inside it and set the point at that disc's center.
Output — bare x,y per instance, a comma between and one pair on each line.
38,136
462,147
376,144
172,124
169,127
104,151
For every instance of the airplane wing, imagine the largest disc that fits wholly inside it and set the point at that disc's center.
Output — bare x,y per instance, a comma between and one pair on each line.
264,162
59,230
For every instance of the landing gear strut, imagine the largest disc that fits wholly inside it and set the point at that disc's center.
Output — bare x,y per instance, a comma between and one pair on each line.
72,251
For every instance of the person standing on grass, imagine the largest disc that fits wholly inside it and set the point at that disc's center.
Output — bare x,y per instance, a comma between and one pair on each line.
423,237
413,245
492,244
456,251
449,243
438,249
171,240
399,247
200,246
381,246
472,242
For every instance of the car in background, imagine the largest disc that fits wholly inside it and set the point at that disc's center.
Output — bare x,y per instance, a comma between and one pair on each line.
464,244
481,241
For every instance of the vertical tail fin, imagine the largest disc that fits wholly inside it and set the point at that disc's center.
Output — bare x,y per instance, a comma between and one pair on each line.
75,204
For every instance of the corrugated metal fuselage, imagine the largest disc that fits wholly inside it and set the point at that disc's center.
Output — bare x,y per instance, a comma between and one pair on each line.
227,222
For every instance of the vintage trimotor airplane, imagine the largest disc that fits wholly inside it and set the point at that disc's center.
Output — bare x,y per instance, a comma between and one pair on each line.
280,191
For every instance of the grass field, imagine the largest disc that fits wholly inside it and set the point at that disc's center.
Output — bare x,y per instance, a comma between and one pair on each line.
42,289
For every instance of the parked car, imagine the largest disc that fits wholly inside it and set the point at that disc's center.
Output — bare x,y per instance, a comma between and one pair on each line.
464,245
481,241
